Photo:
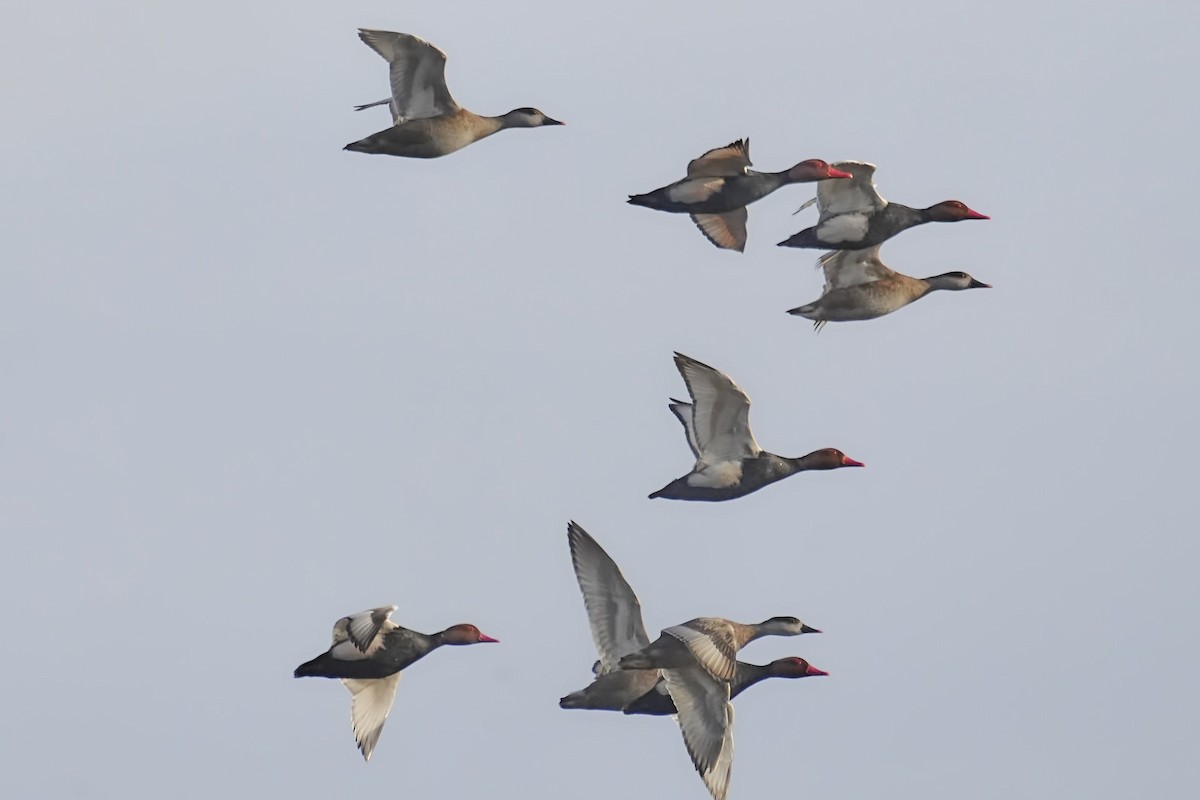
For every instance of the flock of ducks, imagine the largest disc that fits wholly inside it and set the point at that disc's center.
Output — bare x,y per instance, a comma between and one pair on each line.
690,671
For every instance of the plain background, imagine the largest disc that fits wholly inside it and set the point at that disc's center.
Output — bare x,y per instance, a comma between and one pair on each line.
253,383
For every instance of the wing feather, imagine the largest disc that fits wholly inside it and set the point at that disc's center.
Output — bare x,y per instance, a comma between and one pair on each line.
727,231
706,720
614,612
732,159
845,268
720,413
371,701
711,643
858,194
417,70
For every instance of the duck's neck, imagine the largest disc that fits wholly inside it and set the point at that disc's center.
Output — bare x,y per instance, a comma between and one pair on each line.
902,216
486,126
760,630
431,641
802,463
747,675
923,286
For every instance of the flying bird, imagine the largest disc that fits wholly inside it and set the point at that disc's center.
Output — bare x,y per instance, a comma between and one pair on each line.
368,653
729,463
426,122
697,663
720,184
858,286
854,216
684,686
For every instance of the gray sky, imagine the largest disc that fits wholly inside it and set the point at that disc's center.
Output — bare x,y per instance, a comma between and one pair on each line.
254,383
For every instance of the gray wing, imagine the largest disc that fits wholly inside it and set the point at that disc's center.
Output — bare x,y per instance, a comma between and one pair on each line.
614,613
362,628
720,413
371,701
845,268
706,721
845,196
732,159
418,74
727,231
683,413
711,642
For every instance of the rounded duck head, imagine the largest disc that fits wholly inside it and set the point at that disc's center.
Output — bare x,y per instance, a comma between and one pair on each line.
528,118
830,458
465,634
952,211
956,281
786,626
793,667
814,169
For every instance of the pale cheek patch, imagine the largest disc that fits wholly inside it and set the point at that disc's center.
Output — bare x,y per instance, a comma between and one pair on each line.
695,191
844,228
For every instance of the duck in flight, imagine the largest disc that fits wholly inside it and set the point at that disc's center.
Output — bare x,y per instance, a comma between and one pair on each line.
698,664
853,215
720,184
426,122
729,462
368,653
858,286
685,687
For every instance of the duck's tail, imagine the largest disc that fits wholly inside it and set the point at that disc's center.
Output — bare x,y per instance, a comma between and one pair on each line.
805,238
319,667
653,200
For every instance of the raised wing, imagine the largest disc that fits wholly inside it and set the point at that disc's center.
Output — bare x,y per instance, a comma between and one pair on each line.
727,231
720,413
362,628
418,74
683,413
711,643
706,720
845,268
856,195
371,700
614,613
732,159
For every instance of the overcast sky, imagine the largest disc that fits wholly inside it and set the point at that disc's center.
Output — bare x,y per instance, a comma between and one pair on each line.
253,383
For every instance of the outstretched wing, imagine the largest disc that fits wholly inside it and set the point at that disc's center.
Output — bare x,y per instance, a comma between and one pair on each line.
371,701
683,413
614,613
727,231
706,721
418,74
858,194
720,413
360,631
721,162
711,643
844,268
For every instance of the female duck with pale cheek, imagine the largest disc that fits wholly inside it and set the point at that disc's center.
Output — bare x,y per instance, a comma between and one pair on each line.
729,462
854,216
427,123
367,654
720,184
858,286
